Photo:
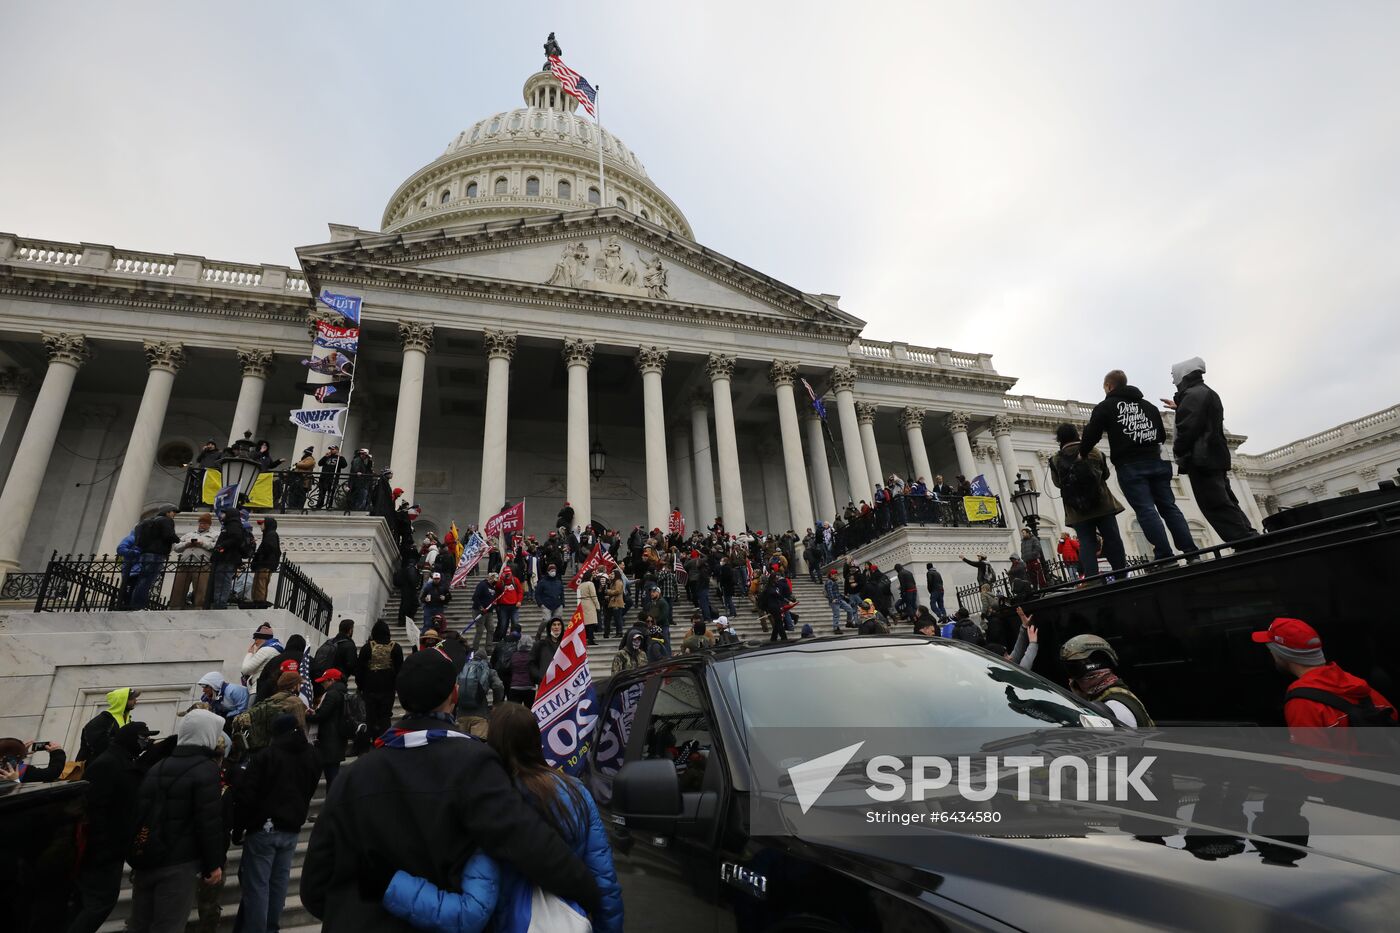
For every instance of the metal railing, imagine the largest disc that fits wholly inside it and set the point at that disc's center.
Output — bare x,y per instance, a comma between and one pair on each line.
296,491
902,511
101,583
1057,573
21,586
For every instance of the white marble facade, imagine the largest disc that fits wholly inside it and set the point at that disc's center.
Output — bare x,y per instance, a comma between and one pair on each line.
500,297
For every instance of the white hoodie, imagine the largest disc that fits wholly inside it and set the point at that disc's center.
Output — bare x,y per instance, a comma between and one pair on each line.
201,728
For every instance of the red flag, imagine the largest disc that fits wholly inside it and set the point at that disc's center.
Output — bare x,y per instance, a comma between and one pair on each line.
565,700
598,559
511,519
677,523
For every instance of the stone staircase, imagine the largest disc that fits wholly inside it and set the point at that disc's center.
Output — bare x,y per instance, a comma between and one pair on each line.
811,608
295,918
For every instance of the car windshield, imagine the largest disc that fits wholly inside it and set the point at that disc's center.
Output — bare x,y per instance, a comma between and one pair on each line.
907,684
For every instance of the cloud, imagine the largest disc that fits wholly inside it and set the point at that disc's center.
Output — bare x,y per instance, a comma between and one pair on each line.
1069,187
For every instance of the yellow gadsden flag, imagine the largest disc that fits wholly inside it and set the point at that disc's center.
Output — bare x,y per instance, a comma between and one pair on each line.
980,508
259,498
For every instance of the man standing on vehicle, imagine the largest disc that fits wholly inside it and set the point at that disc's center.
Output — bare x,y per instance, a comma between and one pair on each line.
1322,695
1201,450
1092,665
1135,434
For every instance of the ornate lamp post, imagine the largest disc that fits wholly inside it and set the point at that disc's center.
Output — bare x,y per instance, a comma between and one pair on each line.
597,461
1025,500
238,468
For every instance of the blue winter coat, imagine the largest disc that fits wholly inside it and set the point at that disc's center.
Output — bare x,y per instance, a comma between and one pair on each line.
491,890
549,592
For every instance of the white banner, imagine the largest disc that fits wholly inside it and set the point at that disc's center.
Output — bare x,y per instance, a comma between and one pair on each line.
320,420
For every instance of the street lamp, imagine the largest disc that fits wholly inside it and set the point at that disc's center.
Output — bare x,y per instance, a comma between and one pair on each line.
597,461
238,468
1025,499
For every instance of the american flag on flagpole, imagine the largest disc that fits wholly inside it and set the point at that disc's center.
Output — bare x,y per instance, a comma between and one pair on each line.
817,405
574,83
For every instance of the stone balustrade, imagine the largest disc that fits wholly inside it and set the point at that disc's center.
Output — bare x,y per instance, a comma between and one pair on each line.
900,352
176,267
1375,423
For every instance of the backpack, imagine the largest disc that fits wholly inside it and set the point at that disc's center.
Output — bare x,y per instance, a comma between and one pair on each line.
381,657
260,719
1079,484
324,658
142,532
149,848
352,714
967,630
472,683
1365,713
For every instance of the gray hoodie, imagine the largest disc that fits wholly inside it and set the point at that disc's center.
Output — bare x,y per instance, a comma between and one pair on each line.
1186,367
200,728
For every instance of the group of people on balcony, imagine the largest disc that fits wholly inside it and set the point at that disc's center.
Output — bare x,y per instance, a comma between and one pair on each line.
207,565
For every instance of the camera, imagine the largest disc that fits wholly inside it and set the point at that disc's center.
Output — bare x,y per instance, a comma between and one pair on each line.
38,747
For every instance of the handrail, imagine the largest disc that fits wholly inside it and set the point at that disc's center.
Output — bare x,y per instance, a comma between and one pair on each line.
297,491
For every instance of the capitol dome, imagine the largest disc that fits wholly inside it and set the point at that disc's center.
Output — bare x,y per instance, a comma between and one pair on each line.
538,159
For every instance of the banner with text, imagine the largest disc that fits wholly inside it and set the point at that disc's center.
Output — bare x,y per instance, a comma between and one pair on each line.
320,420
347,306
565,703
471,556
598,559
346,339
506,520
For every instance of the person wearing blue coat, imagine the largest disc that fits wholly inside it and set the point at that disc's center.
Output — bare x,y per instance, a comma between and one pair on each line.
491,892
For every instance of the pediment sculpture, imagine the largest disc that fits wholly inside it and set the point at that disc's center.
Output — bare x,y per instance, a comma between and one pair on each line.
611,271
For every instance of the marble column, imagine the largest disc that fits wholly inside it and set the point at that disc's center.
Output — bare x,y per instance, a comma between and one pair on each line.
821,471
256,365
14,412
775,518
957,426
500,348
88,477
706,511
685,477
843,381
1001,431
720,368
417,340
578,356
912,420
865,416
129,495
66,353
314,439
1251,508
651,361
782,373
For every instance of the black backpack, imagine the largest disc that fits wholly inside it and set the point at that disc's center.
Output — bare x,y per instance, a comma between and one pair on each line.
967,630
1360,714
352,715
324,658
1079,484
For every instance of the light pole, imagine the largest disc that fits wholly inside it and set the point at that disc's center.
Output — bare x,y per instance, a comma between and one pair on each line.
1025,499
238,468
597,461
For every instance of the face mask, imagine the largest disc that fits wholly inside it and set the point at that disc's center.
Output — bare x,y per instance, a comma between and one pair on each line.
551,573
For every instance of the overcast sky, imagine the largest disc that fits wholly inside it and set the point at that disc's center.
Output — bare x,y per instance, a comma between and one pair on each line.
1069,186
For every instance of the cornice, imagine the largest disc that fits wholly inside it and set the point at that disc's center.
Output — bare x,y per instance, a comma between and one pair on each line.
1360,443
63,284
923,375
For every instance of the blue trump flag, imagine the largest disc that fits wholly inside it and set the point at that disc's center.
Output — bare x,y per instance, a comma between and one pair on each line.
348,306
980,487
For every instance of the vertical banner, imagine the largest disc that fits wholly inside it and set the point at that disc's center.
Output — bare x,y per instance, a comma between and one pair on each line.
333,354
565,703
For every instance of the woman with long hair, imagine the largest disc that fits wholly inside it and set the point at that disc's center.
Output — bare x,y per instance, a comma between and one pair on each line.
491,891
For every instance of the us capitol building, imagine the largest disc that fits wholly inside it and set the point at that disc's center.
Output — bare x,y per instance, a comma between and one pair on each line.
515,318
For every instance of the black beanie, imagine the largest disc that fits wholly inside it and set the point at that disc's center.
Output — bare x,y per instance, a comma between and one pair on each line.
425,681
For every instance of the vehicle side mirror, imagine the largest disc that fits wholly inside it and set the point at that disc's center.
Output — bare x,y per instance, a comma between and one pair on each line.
647,794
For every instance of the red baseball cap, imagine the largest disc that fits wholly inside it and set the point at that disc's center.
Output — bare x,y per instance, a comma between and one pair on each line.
1292,634
290,666
331,675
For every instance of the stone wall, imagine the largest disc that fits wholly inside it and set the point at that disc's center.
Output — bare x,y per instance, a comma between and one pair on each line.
57,667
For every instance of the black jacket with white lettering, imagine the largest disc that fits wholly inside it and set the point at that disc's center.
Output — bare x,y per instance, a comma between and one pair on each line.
1133,425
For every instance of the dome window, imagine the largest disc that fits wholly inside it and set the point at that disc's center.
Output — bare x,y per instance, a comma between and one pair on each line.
423,205
443,198
594,197
565,189
644,214
500,186
622,203
532,186
471,190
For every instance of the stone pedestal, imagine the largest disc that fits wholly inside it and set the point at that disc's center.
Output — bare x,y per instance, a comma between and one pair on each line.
917,545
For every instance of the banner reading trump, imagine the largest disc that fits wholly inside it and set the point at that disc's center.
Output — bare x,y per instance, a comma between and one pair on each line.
346,339
565,703
598,559
506,520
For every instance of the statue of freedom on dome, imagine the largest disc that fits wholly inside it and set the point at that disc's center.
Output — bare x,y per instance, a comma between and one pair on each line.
551,50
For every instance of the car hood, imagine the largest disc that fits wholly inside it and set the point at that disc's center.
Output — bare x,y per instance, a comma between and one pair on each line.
1133,882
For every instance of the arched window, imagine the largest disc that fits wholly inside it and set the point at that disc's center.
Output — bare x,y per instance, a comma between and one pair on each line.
644,214
423,205
532,186
471,190
622,203
445,195
565,190
500,186
594,197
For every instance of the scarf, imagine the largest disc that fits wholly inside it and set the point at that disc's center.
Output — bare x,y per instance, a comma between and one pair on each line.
417,738
1096,682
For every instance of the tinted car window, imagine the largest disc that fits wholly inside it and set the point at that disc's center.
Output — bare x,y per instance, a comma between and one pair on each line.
679,730
911,684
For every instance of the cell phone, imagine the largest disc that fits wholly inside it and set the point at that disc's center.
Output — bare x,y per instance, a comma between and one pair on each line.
38,747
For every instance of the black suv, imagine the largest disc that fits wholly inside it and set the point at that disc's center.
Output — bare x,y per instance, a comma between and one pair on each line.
670,770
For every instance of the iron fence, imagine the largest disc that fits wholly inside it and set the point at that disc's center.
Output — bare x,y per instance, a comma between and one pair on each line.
1057,572
100,583
21,586
297,491
903,511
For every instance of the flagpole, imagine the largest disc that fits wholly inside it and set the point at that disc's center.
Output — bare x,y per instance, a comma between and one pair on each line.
598,117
